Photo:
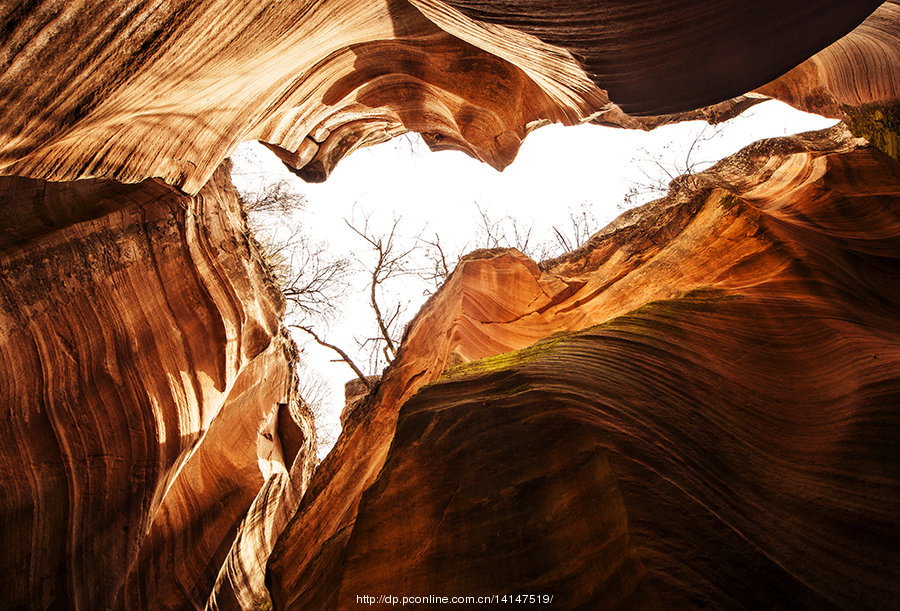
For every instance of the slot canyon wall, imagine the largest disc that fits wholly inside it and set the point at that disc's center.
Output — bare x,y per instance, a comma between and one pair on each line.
142,346
698,408
720,431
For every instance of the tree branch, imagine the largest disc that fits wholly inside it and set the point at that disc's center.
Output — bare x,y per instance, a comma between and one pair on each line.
344,356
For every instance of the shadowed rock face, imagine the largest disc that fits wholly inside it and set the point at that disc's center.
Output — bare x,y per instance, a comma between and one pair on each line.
658,57
721,433
141,351
711,423
841,75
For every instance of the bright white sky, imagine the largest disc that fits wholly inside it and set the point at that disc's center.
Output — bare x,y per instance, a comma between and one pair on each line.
556,169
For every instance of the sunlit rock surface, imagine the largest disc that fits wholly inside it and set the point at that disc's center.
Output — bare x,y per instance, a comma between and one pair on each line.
141,352
721,432
144,89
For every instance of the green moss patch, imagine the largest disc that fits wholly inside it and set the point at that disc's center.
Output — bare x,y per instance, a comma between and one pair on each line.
506,359
877,123
636,322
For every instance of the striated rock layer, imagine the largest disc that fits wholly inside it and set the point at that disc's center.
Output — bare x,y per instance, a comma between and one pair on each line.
721,432
859,69
141,352
138,89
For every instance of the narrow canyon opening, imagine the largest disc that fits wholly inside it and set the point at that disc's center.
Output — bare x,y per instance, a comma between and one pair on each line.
566,184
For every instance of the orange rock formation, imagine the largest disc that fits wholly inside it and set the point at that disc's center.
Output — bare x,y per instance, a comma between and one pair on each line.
149,90
712,421
141,347
724,437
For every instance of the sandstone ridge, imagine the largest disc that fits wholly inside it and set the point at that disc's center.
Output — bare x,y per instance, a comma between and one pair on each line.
141,351
716,412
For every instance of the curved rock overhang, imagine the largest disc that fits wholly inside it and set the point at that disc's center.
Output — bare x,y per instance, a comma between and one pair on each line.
147,89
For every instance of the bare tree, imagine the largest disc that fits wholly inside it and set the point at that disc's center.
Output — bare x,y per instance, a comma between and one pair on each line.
661,168
313,282
503,232
508,232
316,280
438,262
389,260
491,230
314,392
311,279
344,356
276,198
313,286
580,227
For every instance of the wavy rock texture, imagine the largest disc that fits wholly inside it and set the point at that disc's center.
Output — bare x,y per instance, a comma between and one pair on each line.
839,82
141,351
861,68
725,437
241,580
669,56
142,89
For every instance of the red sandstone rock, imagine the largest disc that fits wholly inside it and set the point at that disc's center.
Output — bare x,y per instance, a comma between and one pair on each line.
840,75
141,352
135,90
713,442
724,438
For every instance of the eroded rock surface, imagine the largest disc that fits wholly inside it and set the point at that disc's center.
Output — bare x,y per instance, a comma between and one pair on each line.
712,422
142,349
146,89
721,433
859,69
